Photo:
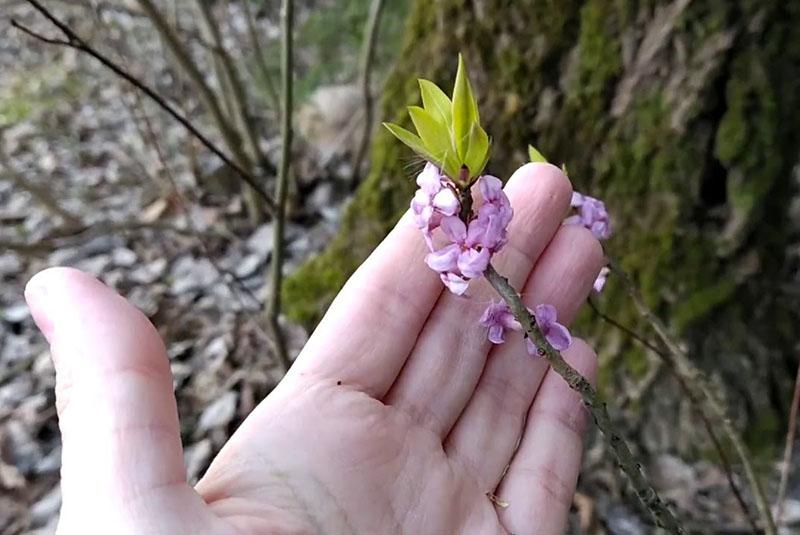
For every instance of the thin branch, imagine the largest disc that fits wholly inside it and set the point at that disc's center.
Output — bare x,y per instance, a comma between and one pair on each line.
627,462
703,395
367,58
261,57
627,330
238,93
74,41
152,139
665,358
281,187
788,449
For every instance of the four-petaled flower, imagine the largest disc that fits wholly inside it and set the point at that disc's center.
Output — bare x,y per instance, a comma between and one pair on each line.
435,199
556,334
591,214
470,247
462,259
499,319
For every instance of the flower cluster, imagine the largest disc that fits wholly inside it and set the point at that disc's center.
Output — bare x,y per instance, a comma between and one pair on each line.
436,198
499,319
592,214
470,246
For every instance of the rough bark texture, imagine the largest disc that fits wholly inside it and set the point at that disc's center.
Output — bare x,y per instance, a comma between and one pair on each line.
684,116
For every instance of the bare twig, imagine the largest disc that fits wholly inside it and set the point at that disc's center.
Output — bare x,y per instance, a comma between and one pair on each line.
665,358
788,449
703,395
627,462
281,187
238,93
152,139
261,57
74,41
367,57
627,330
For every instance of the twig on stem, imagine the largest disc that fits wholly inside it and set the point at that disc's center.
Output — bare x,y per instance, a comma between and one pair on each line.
74,41
367,57
281,187
703,395
786,464
628,464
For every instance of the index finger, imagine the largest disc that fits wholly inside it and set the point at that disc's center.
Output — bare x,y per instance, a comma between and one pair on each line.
372,325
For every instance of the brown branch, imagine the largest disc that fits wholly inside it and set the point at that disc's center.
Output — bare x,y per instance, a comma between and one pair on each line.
703,395
788,449
665,358
152,139
74,41
238,94
281,187
627,462
261,57
367,57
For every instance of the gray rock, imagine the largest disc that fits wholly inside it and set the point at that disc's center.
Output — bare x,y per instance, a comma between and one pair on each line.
190,273
123,257
218,414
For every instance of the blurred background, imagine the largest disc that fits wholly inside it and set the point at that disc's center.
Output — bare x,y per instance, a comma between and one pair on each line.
683,116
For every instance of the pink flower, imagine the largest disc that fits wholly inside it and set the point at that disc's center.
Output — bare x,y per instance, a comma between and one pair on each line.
601,279
470,246
499,319
556,334
489,228
461,259
591,214
433,200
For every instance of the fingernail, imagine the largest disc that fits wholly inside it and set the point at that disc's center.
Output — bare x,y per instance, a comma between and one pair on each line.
36,297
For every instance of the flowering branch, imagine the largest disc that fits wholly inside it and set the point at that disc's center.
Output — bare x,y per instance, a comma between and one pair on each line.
577,382
450,137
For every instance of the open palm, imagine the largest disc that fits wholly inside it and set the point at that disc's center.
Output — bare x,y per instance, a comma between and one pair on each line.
397,417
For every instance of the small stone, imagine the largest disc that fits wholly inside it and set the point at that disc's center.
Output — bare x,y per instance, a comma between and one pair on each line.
123,257
218,414
248,265
190,273
260,241
196,458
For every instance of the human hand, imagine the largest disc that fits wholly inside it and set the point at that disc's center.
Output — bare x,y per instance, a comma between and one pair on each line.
397,417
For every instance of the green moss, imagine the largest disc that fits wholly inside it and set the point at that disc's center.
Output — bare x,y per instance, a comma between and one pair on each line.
34,91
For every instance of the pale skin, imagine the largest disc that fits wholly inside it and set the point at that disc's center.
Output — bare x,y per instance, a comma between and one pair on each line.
398,416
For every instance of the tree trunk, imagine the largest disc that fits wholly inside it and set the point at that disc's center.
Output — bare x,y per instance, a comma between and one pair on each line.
683,116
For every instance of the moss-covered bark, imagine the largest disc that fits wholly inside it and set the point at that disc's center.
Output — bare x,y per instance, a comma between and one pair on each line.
684,116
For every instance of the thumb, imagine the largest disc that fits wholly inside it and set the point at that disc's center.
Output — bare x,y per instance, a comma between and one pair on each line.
116,408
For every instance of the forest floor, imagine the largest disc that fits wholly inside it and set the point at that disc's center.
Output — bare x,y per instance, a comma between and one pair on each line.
74,134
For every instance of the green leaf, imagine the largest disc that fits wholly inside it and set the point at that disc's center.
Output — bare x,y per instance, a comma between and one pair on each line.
435,137
535,155
448,163
478,151
436,102
410,139
465,109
